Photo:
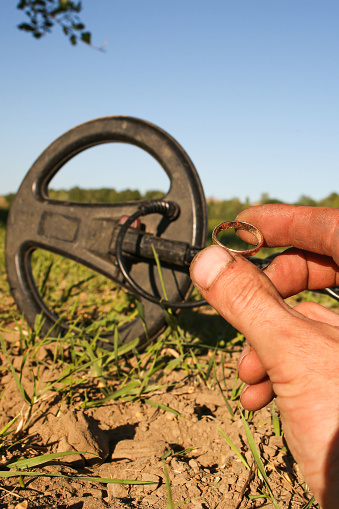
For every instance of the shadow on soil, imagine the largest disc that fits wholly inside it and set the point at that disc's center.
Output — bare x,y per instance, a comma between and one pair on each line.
210,328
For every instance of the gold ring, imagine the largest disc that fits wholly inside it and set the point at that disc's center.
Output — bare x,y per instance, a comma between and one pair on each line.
239,225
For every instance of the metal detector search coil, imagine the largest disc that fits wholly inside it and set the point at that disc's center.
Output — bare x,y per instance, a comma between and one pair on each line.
93,235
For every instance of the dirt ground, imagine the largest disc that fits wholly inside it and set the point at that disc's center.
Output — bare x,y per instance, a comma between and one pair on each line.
136,441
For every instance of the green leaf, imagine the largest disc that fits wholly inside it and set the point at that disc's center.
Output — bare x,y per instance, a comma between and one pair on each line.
22,391
120,393
123,349
63,4
228,406
3,431
86,37
26,27
162,282
168,487
41,460
237,452
73,40
141,311
309,503
22,4
78,26
257,459
104,480
162,407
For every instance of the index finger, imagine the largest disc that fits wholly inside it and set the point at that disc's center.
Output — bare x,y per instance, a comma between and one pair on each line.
314,229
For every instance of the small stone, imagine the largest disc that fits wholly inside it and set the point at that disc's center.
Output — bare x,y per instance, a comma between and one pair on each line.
143,426
77,432
192,489
96,493
175,464
139,449
117,491
170,417
196,504
149,488
151,500
276,441
180,479
249,457
93,503
193,464
270,451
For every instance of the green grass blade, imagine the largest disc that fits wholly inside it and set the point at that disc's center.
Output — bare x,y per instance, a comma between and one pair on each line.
210,364
141,315
22,391
275,421
46,274
128,347
41,460
174,363
162,282
65,374
236,390
116,338
141,311
120,393
104,480
168,487
257,459
3,431
228,406
237,452
162,407
309,503
185,451
197,363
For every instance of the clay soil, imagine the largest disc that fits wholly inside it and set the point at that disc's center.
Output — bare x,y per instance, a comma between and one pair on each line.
139,442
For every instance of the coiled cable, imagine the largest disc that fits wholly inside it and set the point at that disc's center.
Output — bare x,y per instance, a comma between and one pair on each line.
170,210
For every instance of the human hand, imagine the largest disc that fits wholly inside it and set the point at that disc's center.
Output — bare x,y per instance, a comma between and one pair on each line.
292,354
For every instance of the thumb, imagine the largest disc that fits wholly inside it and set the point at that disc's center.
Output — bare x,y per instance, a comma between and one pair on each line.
245,297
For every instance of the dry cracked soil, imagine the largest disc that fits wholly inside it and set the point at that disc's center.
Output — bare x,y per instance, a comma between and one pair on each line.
181,458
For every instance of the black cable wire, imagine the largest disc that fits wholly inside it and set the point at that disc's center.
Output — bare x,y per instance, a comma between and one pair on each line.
170,210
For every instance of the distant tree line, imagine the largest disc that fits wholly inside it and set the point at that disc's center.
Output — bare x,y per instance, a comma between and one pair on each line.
103,195
217,209
230,208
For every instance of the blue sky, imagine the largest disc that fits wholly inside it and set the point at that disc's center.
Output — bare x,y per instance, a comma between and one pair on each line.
249,88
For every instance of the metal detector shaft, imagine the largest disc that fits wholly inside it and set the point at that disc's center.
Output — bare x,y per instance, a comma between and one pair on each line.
139,244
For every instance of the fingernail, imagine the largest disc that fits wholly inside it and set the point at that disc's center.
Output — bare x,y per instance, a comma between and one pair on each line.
245,352
208,265
244,389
